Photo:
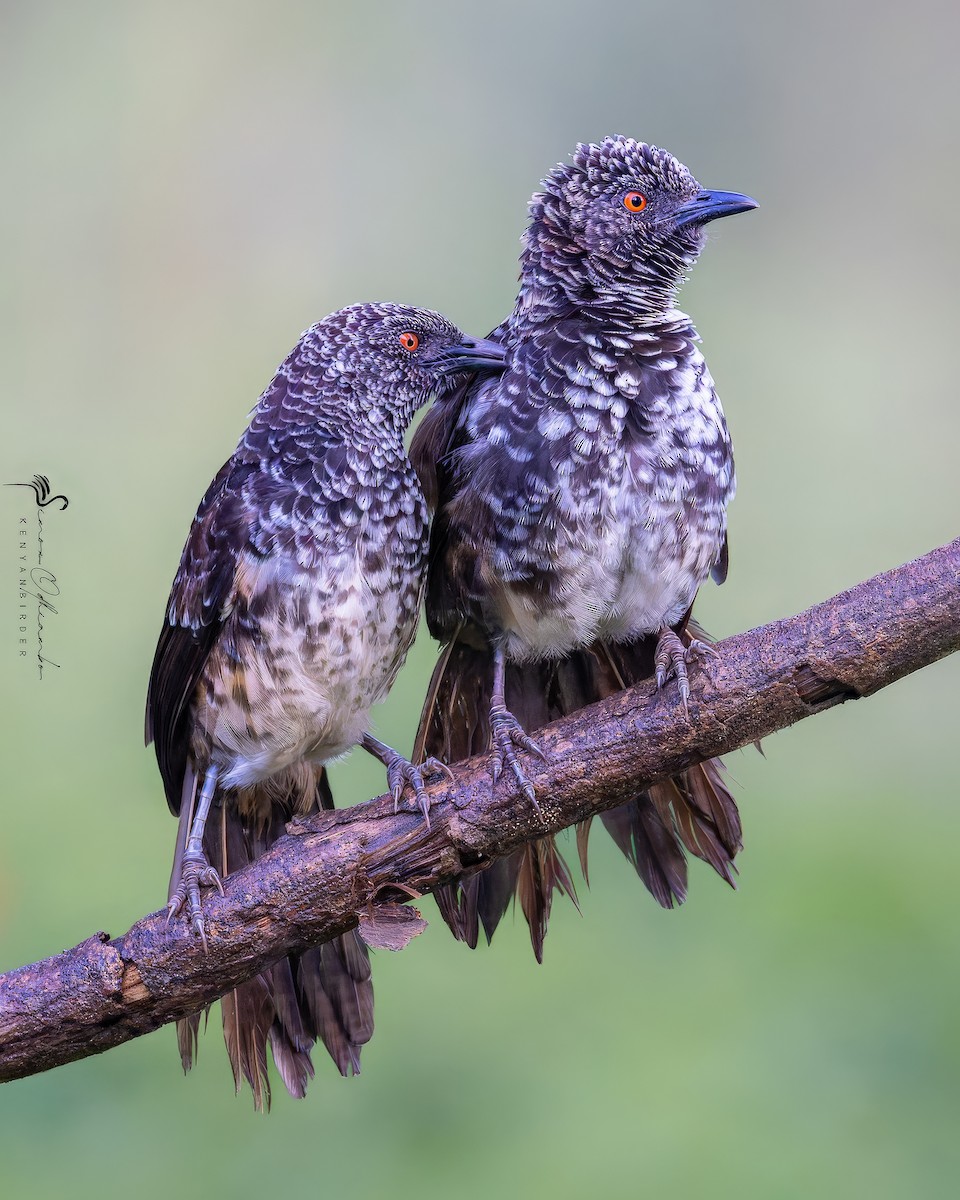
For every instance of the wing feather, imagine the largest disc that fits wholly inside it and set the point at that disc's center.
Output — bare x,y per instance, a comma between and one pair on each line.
202,591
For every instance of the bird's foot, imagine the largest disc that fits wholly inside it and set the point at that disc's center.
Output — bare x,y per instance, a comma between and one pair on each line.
195,873
402,773
506,733
672,658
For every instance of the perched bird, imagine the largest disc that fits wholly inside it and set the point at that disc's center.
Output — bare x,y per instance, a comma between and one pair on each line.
292,611
581,501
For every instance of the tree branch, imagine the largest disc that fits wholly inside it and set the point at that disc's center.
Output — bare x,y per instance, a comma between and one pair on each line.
333,867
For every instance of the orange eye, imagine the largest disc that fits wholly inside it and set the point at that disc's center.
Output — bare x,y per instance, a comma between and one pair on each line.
635,201
409,341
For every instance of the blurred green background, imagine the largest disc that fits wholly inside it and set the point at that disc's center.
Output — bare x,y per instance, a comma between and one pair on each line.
188,186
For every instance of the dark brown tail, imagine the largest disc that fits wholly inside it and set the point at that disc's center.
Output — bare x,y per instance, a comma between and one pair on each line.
325,993
692,812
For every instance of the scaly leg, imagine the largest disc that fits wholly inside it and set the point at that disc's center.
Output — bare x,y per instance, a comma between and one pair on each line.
195,866
401,772
672,658
506,732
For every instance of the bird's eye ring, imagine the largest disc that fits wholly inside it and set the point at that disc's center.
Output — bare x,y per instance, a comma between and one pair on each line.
409,341
635,202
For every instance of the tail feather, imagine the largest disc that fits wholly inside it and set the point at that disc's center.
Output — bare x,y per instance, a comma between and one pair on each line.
294,1065
337,993
188,1036
712,798
648,844
325,993
542,871
248,1013
693,812
459,904
456,725
286,1002
495,888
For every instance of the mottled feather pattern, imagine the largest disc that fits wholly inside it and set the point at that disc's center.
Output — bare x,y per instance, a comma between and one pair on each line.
284,578
605,493
292,611
580,502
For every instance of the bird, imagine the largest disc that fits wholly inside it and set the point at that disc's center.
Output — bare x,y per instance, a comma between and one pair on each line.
293,608
580,501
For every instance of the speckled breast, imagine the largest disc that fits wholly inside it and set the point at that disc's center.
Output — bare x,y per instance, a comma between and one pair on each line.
634,515
323,636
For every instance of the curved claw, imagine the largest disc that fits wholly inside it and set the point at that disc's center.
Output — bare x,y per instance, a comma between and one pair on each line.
435,767
196,872
506,732
402,773
701,649
210,877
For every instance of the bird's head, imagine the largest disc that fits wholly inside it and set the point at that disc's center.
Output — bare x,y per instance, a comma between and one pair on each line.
623,208
393,357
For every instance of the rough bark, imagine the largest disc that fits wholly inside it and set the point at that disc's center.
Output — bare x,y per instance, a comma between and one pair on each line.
336,868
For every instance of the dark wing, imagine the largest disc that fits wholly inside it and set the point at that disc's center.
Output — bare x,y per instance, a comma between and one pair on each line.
440,434
441,431
202,589
433,452
720,567
434,438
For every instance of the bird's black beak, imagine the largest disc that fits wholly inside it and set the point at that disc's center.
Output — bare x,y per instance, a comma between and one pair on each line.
476,354
708,206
